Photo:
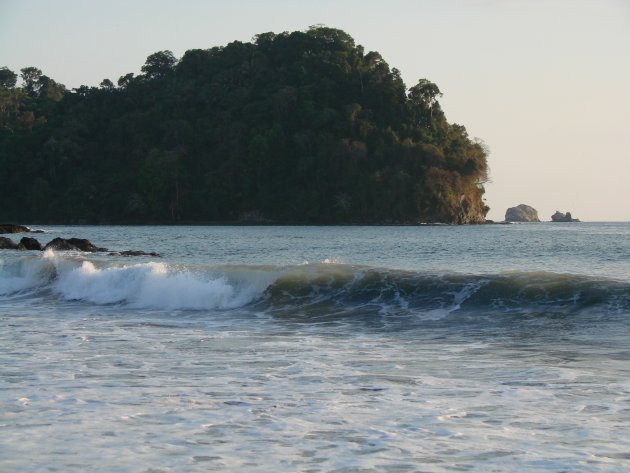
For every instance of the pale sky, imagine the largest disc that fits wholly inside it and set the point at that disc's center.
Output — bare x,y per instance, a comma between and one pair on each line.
545,83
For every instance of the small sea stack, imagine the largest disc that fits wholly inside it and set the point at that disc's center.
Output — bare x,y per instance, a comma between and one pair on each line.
563,217
521,213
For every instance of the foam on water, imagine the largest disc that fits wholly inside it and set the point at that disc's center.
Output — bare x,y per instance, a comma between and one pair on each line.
154,286
149,285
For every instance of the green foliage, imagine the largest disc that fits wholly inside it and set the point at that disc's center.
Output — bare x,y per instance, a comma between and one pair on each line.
159,64
8,78
124,81
300,127
31,76
107,84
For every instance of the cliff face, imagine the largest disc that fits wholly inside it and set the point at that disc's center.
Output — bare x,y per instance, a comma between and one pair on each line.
473,210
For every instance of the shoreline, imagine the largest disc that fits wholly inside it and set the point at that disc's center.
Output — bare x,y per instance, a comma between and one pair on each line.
260,224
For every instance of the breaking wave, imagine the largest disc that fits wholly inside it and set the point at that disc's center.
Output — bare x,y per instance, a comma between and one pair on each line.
310,288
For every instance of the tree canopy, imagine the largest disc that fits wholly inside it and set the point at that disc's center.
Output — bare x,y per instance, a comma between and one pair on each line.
8,78
300,127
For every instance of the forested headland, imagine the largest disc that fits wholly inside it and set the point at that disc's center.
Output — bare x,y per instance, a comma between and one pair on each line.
300,127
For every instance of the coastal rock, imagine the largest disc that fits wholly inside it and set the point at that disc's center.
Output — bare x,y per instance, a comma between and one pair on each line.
521,213
72,244
13,228
7,244
27,243
134,253
566,217
469,210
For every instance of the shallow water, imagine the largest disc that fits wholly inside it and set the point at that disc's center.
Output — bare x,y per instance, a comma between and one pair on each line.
491,348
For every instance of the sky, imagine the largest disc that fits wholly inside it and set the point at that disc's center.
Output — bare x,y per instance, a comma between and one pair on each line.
544,83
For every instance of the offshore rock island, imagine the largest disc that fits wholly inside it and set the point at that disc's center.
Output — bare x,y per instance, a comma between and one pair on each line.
563,217
521,213
300,127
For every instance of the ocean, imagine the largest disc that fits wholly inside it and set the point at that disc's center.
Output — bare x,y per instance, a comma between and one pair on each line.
345,349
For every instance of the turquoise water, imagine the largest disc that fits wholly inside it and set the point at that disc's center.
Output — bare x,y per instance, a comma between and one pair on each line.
483,348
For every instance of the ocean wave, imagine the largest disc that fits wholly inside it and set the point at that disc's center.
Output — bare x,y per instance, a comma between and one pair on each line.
309,288
435,296
25,274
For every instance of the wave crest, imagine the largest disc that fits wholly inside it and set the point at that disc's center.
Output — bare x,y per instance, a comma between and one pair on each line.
330,289
149,285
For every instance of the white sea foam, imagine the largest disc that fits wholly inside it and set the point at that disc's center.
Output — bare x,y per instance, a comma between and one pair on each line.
152,285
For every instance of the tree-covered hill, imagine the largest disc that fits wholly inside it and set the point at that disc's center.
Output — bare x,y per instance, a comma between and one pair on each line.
301,127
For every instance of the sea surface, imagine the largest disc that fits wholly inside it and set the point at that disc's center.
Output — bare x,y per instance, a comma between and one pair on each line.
345,349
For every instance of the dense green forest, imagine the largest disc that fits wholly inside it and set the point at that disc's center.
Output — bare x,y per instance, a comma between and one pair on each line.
300,127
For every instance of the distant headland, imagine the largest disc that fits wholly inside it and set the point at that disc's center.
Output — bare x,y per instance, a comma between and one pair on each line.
300,127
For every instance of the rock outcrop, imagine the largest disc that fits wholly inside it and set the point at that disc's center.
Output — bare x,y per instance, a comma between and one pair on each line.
521,213
134,253
7,244
27,243
13,228
566,217
72,244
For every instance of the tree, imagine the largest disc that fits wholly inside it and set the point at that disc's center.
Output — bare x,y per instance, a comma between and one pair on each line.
158,64
124,81
10,101
31,76
48,88
423,99
83,90
8,78
425,93
107,84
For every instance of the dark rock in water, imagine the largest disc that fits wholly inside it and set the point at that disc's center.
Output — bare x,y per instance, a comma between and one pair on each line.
59,244
12,228
134,253
521,213
72,244
560,217
27,243
7,244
